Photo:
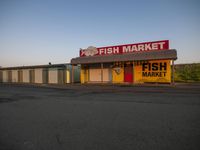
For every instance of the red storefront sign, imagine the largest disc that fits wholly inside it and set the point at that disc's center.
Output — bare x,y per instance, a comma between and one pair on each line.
122,49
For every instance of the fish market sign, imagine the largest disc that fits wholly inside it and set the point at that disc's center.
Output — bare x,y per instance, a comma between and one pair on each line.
153,71
122,49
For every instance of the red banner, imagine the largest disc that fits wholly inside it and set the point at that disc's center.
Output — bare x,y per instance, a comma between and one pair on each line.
122,49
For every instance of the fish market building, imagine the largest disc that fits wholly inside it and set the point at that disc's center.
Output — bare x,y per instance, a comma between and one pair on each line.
151,62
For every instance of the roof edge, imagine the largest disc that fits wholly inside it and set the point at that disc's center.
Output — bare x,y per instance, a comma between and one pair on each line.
149,55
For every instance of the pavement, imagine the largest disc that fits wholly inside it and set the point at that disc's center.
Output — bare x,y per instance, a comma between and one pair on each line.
100,117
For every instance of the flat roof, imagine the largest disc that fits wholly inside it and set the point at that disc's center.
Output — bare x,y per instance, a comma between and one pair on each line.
36,66
169,54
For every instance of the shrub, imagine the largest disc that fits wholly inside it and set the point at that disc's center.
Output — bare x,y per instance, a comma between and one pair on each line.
187,72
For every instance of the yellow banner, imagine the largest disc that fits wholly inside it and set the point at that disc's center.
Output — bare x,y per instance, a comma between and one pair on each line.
152,71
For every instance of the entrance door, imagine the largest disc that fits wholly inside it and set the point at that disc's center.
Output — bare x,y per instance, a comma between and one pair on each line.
128,73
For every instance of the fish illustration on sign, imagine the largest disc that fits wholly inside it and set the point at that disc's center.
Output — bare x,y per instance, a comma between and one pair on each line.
90,51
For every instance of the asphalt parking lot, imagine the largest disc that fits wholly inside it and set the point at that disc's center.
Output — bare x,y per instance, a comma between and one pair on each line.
95,117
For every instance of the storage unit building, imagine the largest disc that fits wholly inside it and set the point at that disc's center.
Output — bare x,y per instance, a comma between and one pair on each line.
131,63
41,74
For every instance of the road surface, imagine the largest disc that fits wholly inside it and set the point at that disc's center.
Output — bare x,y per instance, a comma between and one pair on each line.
80,117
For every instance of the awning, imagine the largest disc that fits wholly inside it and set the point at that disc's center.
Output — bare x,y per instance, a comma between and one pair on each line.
170,54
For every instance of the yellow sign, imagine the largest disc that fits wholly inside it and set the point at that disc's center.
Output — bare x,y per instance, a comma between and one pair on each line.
152,71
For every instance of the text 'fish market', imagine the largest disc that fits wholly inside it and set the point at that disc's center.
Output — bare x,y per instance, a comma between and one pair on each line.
130,63
147,62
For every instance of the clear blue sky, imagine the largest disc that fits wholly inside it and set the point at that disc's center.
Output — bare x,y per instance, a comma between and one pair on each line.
34,32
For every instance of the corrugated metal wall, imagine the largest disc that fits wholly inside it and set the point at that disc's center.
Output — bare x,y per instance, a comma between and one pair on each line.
14,75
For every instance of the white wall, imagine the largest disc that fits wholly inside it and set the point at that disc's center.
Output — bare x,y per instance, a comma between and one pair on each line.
5,76
14,75
38,75
53,76
26,76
